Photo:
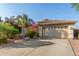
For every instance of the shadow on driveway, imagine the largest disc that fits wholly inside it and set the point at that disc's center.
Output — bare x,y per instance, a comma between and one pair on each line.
31,44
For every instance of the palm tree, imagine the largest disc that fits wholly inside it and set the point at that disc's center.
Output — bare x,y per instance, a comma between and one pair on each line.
23,22
76,6
10,20
0,19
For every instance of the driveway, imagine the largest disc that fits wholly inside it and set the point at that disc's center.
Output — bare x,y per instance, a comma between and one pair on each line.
38,47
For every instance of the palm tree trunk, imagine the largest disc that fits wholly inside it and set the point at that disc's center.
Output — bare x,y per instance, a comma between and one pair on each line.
23,32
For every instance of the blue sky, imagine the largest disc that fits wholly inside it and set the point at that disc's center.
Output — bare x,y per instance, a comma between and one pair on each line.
41,11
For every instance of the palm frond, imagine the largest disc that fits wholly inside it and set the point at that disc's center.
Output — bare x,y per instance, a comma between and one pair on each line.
76,6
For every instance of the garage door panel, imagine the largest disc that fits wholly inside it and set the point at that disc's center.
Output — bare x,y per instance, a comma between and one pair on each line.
53,33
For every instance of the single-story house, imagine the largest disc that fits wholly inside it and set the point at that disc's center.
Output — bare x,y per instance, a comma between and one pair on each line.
56,28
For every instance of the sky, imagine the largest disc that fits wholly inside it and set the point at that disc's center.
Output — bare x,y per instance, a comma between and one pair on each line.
41,11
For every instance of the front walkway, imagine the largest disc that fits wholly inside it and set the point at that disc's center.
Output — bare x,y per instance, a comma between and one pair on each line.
39,47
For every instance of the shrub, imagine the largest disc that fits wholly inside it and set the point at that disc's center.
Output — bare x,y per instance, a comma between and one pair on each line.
31,33
3,38
8,30
12,32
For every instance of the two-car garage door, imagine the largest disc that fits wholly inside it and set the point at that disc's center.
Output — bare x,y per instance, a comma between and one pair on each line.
53,33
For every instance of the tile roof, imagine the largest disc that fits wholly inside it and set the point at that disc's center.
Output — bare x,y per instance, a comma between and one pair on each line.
47,21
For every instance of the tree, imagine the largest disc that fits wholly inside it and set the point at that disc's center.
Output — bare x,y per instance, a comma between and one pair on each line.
75,5
10,20
23,22
0,19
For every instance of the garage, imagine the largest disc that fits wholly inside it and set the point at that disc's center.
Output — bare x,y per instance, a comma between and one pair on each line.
56,28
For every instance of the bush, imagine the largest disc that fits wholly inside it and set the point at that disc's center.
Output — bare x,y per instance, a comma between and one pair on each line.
8,29
12,33
31,33
3,38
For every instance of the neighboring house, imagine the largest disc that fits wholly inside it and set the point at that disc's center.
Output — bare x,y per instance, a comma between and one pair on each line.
56,28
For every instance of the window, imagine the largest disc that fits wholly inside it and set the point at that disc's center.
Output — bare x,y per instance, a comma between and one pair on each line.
54,27
43,27
51,27
65,27
58,27
61,27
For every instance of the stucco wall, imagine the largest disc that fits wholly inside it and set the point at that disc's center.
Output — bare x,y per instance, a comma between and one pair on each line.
40,31
70,31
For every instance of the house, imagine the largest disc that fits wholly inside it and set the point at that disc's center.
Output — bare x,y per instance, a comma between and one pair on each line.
56,28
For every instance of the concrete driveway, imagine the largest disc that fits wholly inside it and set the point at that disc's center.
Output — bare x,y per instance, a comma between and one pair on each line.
38,47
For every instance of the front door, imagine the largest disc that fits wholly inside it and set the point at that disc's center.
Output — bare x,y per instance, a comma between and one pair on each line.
75,34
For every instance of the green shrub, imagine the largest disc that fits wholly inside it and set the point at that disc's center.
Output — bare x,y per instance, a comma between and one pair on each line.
9,30
31,33
3,38
11,33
